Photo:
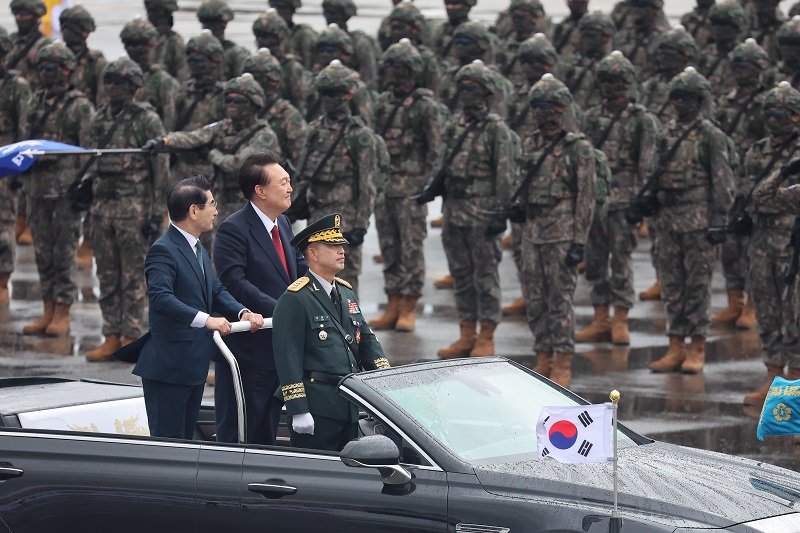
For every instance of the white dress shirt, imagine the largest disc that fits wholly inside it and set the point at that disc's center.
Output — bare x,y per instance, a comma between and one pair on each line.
327,287
269,224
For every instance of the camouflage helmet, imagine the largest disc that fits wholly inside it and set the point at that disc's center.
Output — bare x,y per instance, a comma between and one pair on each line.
271,22
616,64
729,11
679,39
247,85
37,7
408,13
138,29
170,5
475,31
78,16
214,9
750,51
264,62
333,35
348,6
336,76
58,53
783,96
405,52
127,68
789,32
5,41
539,47
690,81
296,4
549,89
597,20
478,72
469,3
205,43
658,4
535,7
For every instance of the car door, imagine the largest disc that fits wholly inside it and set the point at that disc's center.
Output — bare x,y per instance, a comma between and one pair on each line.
58,481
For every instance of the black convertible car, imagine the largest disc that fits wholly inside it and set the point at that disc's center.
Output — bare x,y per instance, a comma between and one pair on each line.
448,446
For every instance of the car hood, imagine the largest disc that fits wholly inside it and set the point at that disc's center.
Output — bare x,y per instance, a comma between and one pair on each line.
686,487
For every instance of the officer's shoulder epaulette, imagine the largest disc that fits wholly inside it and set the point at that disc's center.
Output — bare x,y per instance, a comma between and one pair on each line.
343,282
298,284
572,136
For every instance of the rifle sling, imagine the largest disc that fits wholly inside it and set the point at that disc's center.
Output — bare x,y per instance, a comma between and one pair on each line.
608,129
740,113
104,142
672,151
22,53
770,164
48,109
393,113
329,153
188,115
523,188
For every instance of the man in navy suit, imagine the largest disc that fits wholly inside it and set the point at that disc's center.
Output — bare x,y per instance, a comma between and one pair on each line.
183,293
255,262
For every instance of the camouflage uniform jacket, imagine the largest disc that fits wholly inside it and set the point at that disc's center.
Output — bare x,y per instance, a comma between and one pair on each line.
631,147
431,75
289,125
771,192
365,58
210,108
581,79
413,139
385,34
162,91
654,95
15,107
233,58
507,61
520,114
66,119
22,56
620,14
716,67
362,105
766,35
442,42
302,43
297,83
478,182
758,156
740,116
639,48
224,136
561,197
347,181
138,176
170,52
503,89
88,76
695,187
779,73
566,38
699,26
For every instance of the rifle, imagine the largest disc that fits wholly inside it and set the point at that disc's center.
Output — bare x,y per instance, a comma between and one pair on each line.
791,269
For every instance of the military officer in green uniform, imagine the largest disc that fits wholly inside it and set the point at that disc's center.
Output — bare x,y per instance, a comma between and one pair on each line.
319,336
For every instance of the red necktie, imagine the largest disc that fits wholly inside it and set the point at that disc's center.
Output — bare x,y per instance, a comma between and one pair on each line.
276,240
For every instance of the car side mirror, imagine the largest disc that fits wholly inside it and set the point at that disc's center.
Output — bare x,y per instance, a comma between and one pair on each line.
376,451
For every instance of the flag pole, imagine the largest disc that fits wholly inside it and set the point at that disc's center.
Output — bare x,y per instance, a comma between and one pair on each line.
615,524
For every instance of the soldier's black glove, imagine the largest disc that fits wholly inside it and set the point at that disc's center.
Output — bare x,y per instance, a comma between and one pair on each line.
79,195
355,236
791,168
516,214
154,146
15,182
152,227
574,254
716,235
496,225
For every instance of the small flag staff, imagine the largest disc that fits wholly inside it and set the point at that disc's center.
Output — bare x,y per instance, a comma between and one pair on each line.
615,524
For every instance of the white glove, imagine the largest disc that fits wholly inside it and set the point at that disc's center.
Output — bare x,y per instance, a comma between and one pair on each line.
303,424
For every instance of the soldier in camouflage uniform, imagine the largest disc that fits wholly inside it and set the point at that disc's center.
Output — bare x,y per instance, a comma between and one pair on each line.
675,50
385,37
527,18
457,13
28,40
566,35
788,37
503,26
365,49
63,114
284,119
728,24
15,103
596,41
695,190
628,135
345,182
740,116
698,23
302,37
638,41
170,51
474,175
765,20
624,15
775,302
127,206
76,25
160,89
410,120
215,15
297,83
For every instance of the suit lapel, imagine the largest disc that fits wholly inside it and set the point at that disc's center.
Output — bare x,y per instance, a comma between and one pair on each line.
264,239
191,257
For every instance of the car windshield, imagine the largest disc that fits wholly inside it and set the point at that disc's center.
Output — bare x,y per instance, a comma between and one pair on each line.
484,413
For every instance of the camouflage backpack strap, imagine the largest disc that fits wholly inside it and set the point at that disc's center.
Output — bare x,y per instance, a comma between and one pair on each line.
11,63
522,190
244,140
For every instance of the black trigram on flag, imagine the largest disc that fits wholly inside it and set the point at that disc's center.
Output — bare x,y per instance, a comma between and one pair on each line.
585,418
545,452
585,448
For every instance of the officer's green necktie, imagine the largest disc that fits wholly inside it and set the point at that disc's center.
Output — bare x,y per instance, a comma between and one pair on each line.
200,256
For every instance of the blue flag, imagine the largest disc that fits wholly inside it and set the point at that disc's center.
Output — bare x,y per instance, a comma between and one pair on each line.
780,415
14,158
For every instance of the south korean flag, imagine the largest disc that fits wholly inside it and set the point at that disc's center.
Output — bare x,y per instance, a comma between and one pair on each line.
577,434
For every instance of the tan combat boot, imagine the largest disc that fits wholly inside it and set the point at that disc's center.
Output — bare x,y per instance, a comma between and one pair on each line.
644,231
600,328
484,344
747,320
619,327
60,324
463,346
437,222
389,318
25,237
408,314
85,253
19,225
517,307
653,293
506,242
562,369
4,296
757,398
39,326
444,283
544,364
732,312
696,357
674,358
104,351
377,258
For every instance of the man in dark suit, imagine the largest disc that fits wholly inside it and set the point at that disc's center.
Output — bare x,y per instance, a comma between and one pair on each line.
183,293
255,262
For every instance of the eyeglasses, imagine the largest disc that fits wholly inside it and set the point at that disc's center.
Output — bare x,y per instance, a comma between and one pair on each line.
21,13
238,100
724,23
196,58
775,113
463,41
332,93
47,67
395,63
212,21
682,97
611,79
529,60
328,49
265,35
468,87
135,43
114,80
543,105
212,203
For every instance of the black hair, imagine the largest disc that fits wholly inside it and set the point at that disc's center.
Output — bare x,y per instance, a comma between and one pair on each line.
184,194
252,171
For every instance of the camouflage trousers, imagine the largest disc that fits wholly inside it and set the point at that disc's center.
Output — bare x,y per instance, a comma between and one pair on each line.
685,262
548,285
55,228
473,258
735,261
352,254
120,253
8,239
609,265
516,245
777,318
402,228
